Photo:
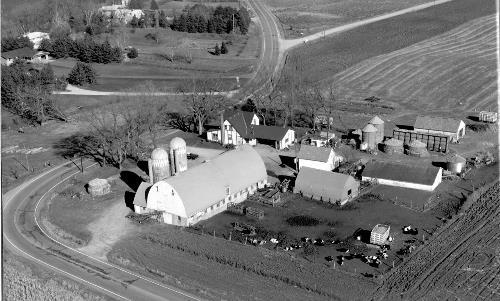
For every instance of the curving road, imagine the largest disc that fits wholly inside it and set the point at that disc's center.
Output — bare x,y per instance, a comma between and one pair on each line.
24,235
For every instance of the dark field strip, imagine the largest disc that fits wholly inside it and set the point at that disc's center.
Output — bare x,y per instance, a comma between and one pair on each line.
322,59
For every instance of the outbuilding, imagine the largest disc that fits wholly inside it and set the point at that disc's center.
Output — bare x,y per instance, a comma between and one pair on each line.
323,158
326,186
423,177
380,234
453,128
206,189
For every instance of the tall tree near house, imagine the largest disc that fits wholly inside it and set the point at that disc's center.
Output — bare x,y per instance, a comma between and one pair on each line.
223,48
312,101
162,19
264,105
203,100
217,49
154,5
332,104
135,4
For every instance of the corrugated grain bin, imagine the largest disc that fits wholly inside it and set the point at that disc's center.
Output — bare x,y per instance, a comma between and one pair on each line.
380,234
370,136
418,149
394,146
455,163
378,123
488,116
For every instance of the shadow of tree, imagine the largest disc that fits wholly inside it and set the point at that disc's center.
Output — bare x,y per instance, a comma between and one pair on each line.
143,165
129,199
131,179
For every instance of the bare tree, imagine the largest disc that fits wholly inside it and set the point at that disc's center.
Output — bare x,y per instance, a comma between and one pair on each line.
264,105
203,100
312,101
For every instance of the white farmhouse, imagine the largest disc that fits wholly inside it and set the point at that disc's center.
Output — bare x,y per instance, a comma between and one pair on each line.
323,158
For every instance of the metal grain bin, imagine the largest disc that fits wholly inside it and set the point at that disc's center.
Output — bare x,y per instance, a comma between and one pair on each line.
370,136
394,146
379,125
455,163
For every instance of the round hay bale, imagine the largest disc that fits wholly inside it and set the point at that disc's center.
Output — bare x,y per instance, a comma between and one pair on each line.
417,148
98,187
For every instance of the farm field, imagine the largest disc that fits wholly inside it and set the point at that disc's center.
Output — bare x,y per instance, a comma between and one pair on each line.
306,17
453,71
328,57
461,261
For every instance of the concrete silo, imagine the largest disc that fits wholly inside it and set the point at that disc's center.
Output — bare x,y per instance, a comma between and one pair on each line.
379,125
370,136
158,164
178,155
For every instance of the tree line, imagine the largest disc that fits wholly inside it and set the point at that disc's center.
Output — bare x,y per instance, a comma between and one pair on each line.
200,18
26,92
86,50
11,43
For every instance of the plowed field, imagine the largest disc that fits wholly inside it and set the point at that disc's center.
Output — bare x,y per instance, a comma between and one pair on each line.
461,262
454,70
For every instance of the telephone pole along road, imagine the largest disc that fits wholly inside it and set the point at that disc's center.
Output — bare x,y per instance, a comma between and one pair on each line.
24,235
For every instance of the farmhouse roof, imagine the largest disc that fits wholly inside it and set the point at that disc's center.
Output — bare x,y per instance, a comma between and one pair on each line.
141,194
329,185
419,174
205,185
313,153
269,132
437,124
241,121
19,53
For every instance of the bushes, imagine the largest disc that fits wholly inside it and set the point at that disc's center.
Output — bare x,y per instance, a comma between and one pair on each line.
478,127
85,50
11,43
302,220
132,53
82,74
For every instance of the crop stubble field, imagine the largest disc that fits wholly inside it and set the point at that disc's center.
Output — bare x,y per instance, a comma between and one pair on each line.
454,70
462,261
309,16
326,58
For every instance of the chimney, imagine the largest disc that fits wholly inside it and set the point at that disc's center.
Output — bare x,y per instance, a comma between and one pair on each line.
222,133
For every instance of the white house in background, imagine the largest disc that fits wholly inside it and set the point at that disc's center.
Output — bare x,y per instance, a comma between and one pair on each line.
36,37
442,126
241,127
323,158
205,190
423,177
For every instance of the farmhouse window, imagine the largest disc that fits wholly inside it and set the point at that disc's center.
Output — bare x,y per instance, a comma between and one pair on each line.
349,192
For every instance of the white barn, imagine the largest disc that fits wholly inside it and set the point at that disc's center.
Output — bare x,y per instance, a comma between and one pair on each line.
206,189
423,177
323,158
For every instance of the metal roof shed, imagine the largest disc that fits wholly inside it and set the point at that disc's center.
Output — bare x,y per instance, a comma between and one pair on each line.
326,186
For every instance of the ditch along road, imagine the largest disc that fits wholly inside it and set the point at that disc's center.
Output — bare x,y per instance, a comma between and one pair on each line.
24,235
273,51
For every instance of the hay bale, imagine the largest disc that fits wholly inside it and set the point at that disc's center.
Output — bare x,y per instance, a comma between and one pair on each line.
97,187
393,146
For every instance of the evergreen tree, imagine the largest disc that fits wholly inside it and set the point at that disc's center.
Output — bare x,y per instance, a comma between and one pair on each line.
132,53
154,5
201,24
45,45
223,48
217,49
175,24
134,22
210,26
135,4
82,74
191,23
46,77
182,23
162,22
243,20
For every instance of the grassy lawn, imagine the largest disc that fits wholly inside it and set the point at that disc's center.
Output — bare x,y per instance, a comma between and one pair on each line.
325,58
299,17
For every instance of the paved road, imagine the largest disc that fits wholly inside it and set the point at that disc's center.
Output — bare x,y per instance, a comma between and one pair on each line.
24,235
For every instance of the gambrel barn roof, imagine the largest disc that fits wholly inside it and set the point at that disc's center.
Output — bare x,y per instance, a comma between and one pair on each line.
437,124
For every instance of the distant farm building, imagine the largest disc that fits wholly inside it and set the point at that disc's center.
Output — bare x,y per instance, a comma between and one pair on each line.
453,128
323,158
25,54
380,234
485,116
326,186
239,127
423,177
204,190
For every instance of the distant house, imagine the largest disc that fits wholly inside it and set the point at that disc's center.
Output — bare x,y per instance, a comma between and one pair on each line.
326,186
423,177
323,158
241,127
442,126
26,54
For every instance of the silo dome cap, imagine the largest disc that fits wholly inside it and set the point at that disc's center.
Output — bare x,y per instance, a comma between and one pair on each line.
369,128
159,154
177,142
376,120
